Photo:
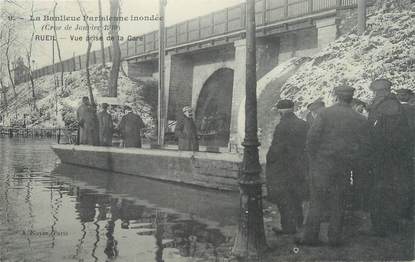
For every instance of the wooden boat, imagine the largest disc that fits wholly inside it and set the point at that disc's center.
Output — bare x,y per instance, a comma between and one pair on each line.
211,170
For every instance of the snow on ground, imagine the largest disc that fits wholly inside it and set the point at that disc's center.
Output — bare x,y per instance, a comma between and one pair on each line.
68,98
385,50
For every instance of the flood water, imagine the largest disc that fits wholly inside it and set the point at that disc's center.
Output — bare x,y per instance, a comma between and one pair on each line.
55,212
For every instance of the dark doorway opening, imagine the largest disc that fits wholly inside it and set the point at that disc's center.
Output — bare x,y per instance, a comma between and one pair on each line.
213,109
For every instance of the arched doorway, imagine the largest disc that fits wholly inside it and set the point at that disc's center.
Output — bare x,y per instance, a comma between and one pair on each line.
213,109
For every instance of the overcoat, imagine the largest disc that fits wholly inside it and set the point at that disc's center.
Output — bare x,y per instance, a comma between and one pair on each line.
88,124
186,132
130,127
286,165
105,128
337,142
392,165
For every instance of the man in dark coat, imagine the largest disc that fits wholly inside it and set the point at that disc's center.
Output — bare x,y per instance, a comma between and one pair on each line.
105,126
392,165
334,144
130,128
88,123
286,168
314,108
186,131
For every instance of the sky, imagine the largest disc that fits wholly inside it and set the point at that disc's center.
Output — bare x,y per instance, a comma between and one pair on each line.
176,11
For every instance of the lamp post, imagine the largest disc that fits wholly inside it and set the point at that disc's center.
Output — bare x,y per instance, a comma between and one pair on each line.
250,242
161,103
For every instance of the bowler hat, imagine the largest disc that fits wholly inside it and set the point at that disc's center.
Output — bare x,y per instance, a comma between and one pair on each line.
285,104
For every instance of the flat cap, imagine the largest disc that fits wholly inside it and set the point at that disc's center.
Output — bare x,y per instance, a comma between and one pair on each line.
404,91
344,90
285,104
380,84
186,109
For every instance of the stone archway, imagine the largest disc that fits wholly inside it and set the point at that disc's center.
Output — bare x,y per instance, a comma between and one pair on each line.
213,108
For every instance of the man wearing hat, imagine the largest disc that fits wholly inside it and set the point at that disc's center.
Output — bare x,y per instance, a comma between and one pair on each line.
314,108
393,182
286,168
130,128
105,126
334,145
186,131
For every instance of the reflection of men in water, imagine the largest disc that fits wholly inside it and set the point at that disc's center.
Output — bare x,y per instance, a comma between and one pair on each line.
334,144
393,177
130,128
105,126
186,131
285,170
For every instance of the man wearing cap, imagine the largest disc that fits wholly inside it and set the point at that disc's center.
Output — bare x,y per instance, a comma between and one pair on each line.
314,108
186,131
334,145
393,182
130,128
286,168
105,126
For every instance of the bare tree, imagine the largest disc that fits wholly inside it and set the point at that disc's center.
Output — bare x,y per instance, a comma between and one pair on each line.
57,43
88,52
9,42
101,33
116,51
29,60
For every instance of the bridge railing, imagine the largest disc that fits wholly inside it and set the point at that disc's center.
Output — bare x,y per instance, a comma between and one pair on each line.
222,22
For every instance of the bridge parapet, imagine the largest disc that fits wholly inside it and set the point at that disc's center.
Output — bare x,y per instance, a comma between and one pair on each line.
225,23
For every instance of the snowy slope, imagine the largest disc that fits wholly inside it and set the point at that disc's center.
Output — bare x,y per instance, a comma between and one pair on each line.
387,49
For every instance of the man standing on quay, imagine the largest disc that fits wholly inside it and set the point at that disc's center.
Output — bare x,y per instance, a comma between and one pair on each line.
105,126
335,143
392,165
286,168
186,131
88,123
130,128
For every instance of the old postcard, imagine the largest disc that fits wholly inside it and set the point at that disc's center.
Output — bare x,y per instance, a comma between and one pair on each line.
207,130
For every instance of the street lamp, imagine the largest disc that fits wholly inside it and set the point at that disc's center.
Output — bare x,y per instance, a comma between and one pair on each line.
250,242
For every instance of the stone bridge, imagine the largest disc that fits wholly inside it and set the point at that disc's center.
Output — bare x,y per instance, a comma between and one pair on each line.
205,56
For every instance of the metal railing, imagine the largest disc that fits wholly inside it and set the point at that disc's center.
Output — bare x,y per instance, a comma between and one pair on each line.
222,22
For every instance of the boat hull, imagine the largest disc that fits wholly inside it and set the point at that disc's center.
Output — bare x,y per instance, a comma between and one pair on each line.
211,170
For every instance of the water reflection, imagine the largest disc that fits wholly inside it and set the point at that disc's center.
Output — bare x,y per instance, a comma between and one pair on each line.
54,212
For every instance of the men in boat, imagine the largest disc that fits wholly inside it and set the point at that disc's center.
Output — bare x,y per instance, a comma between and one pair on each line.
186,131
286,168
314,108
130,128
392,164
333,144
105,126
88,125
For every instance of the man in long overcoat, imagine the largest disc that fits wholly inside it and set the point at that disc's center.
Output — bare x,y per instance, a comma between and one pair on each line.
392,165
88,123
130,128
105,126
286,168
186,131
334,145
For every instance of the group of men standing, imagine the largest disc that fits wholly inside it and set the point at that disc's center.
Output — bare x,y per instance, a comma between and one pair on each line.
317,160
97,129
